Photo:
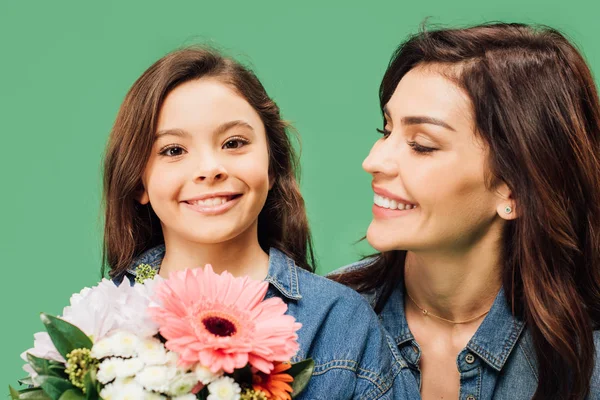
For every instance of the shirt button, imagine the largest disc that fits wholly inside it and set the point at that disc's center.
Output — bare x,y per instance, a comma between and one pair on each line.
470,359
471,397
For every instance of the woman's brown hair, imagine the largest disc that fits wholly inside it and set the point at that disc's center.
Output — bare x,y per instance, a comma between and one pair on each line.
131,228
536,107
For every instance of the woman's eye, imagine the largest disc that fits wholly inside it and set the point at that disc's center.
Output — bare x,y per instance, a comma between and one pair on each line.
417,148
235,143
384,132
172,151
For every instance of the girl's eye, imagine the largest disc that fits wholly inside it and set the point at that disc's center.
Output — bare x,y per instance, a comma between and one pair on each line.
417,148
171,151
384,132
235,143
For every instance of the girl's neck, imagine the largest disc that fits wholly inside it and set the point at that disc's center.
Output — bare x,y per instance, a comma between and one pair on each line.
456,285
240,256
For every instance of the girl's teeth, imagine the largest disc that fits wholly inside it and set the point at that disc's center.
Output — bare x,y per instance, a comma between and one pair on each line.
391,204
215,201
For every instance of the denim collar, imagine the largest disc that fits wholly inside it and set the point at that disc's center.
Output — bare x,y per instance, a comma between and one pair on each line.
282,274
493,341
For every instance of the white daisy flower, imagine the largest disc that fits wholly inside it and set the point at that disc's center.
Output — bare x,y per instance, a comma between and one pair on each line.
182,384
205,375
152,352
224,388
128,367
185,397
125,344
107,370
155,377
103,348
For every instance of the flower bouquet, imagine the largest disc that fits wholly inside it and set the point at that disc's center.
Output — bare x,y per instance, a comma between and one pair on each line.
196,335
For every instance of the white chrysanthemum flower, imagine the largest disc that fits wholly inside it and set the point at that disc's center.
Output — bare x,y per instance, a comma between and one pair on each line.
182,384
124,344
101,310
129,367
172,358
107,370
185,397
224,388
103,348
109,392
129,390
156,378
156,396
205,375
152,352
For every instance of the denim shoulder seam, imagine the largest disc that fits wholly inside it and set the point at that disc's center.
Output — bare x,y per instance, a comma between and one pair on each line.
343,364
528,361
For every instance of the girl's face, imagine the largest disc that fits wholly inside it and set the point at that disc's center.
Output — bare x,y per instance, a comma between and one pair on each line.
429,170
207,178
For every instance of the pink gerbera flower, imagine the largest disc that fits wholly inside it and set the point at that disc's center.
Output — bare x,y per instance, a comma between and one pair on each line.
223,322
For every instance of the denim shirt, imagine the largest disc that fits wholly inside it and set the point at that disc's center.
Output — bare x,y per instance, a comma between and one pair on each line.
499,362
354,358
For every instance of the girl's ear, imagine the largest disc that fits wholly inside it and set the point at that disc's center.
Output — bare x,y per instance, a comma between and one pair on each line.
271,181
506,206
142,196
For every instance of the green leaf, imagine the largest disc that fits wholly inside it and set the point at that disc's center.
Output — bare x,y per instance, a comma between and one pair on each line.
65,336
54,386
91,385
46,367
26,381
28,394
14,393
301,372
73,394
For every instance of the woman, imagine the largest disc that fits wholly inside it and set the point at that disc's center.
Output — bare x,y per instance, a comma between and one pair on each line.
487,214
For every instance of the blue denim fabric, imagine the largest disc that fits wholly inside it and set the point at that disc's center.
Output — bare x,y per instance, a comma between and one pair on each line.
354,358
499,362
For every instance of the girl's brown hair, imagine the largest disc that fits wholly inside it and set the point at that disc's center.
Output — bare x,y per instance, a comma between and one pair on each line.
131,228
536,106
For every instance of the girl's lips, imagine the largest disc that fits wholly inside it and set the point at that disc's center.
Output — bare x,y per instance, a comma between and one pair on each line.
214,210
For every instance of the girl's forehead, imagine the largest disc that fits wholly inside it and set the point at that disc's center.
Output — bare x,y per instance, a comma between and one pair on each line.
204,104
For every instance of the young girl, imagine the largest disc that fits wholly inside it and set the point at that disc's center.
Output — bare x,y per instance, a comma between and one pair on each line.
487,214
199,170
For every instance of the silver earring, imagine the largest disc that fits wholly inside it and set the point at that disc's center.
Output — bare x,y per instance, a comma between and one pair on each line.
507,209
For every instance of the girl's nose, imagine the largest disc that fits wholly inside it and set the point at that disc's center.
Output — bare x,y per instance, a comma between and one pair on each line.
210,170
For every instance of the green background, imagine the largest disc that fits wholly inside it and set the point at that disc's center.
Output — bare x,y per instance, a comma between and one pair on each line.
66,66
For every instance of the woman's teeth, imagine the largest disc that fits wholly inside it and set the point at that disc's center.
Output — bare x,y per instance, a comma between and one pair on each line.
384,202
213,201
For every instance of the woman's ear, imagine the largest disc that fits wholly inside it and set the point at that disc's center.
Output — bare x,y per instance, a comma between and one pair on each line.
506,206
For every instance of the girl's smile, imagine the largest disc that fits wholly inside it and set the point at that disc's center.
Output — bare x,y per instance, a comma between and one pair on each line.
213,204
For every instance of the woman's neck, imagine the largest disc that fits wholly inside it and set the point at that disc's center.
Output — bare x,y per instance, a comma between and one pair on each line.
455,285
240,256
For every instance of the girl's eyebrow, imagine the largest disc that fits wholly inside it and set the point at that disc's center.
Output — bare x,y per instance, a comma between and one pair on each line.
224,127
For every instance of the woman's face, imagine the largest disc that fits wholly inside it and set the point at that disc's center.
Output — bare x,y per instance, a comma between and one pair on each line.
429,170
